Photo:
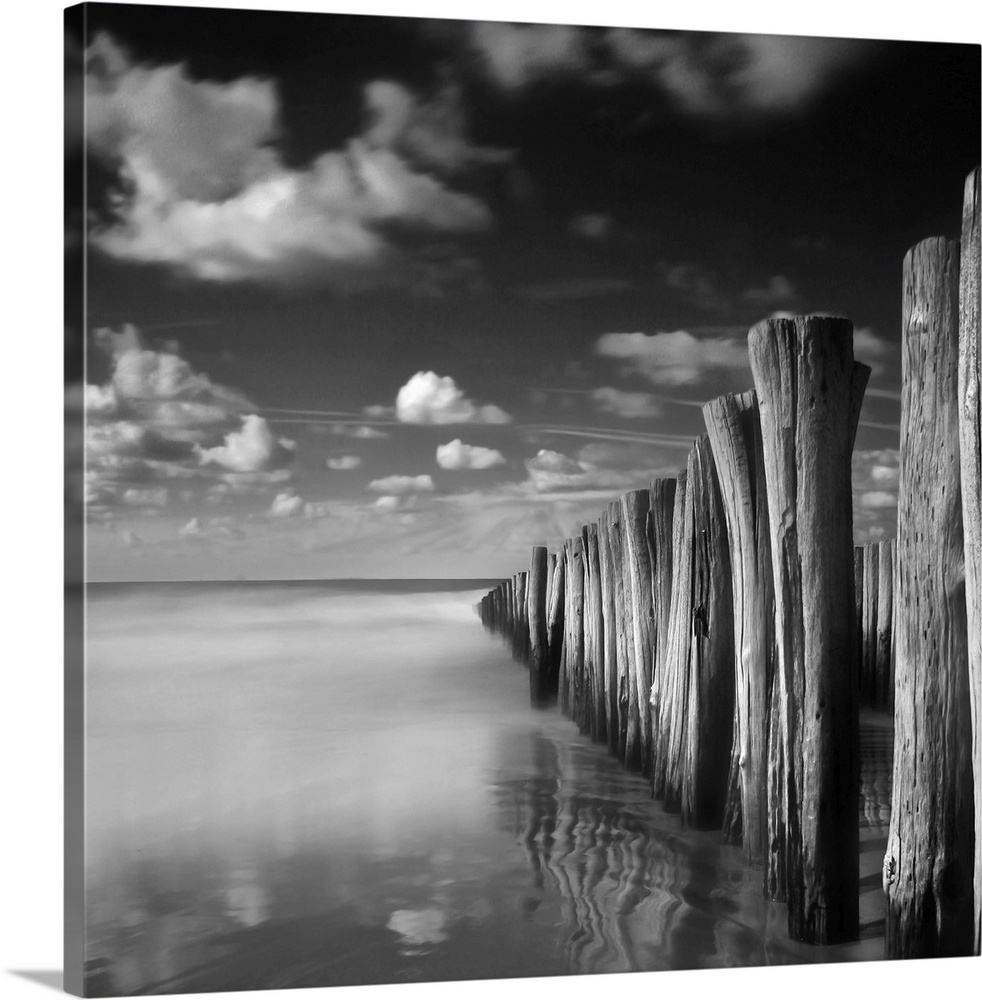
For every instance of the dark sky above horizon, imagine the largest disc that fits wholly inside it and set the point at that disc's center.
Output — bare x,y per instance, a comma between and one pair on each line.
376,296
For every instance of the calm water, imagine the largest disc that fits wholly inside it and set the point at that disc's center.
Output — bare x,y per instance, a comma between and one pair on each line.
325,784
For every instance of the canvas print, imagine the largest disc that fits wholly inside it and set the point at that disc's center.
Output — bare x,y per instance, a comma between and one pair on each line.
529,517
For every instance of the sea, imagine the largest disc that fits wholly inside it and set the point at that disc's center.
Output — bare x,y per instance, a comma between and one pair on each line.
322,783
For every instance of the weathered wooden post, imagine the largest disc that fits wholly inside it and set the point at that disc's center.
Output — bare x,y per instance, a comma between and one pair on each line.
598,719
970,442
810,392
573,646
538,627
609,611
733,422
884,625
709,726
637,584
557,604
673,692
521,639
858,559
927,873
871,587
581,702
622,605
660,549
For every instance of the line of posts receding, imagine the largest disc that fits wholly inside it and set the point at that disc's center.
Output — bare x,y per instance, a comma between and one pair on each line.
719,631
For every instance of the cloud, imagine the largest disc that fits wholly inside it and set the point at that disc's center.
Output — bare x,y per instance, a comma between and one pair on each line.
254,448
517,55
286,505
873,350
675,359
344,463
430,134
204,189
878,499
402,484
629,405
429,399
457,455
591,225
193,527
703,74
778,290
145,498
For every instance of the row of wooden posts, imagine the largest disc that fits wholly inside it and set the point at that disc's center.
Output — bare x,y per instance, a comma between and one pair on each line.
718,630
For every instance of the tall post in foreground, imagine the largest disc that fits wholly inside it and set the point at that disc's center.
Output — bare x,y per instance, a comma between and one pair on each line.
970,441
733,422
927,869
538,626
810,391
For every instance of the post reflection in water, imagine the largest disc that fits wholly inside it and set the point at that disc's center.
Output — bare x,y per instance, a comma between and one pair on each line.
636,893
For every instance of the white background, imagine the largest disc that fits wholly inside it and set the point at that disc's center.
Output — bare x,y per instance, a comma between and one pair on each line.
30,486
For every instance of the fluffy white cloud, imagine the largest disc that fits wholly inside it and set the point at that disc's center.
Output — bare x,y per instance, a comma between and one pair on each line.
678,358
457,455
207,192
286,505
629,405
344,463
254,448
429,399
193,527
402,484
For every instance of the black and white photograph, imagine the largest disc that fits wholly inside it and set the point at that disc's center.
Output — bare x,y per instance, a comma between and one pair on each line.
522,502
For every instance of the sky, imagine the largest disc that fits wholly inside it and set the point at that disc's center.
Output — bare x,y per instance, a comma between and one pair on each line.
403,297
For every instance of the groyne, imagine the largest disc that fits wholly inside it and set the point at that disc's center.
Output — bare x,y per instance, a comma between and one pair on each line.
719,631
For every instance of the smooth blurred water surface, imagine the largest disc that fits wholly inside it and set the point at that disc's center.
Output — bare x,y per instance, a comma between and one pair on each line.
314,784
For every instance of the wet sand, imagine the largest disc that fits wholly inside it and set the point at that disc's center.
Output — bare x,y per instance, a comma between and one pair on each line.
307,786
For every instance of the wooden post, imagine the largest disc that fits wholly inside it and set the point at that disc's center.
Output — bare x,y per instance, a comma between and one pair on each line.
928,865
598,719
859,557
607,587
538,627
884,626
674,714
583,707
637,582
521,638
574,654
623,626
871,588
970,441
660,549
676,648
733,422
709,727
557,602
810,392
